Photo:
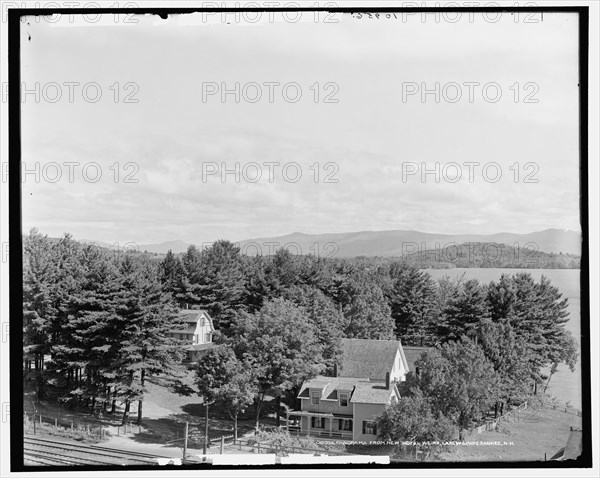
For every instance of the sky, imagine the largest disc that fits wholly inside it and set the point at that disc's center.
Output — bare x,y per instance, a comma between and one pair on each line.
147,160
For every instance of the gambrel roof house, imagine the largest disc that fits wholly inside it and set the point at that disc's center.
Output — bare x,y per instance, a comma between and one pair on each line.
197,334
347,405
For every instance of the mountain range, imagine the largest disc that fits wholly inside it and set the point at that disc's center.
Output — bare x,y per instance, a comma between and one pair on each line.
386,243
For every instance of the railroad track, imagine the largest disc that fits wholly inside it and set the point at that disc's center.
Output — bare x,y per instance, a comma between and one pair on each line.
40,451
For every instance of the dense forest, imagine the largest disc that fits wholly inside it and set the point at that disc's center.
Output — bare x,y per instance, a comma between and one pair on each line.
465,255
95,325
483,255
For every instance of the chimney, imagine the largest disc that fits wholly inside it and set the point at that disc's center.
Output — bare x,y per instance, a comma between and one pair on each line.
387,380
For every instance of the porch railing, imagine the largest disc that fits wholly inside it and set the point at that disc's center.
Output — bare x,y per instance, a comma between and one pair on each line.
321,433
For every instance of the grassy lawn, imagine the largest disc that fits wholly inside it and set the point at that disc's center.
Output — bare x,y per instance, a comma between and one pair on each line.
544,431
538,432
165,413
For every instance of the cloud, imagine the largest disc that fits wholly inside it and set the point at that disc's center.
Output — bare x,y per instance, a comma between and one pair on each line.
172,138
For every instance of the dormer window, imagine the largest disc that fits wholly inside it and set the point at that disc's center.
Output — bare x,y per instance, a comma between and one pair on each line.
343,399
316,397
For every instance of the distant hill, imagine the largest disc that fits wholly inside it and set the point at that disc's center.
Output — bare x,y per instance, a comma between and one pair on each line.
162,248
402,243
399,243
490,254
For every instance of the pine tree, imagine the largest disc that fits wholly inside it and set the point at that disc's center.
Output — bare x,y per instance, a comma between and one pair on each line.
219,284
538,314
145,315
172,274
39,306
188,288
413,305
327,320
258,286
88,343
366,309
51,277
463,312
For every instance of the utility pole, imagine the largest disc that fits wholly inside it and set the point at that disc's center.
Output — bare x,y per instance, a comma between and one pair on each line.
185,442
205,427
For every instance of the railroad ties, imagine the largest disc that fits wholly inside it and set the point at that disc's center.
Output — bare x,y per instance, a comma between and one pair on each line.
43,452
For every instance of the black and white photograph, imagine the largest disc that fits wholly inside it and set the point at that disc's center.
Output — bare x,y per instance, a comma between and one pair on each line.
303,237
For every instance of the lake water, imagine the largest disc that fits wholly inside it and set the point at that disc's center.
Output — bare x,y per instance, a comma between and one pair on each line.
565,385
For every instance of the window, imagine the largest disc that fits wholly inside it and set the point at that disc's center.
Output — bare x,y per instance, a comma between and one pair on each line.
208,337
369,427
345,424
315,398
343,399
316,422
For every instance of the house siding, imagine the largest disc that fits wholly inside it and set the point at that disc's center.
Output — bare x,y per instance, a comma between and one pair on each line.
362,412
195,334
202,328
334,428
326,406
397,373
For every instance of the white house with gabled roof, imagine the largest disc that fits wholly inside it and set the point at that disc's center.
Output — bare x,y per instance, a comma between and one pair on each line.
346,406
196,335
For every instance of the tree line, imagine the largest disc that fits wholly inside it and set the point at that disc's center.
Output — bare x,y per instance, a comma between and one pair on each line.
101,319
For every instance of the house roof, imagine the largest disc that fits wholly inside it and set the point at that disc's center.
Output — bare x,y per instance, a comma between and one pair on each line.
573,449
372,392
362,390
574,445
329,386
191,317
368,358
413,354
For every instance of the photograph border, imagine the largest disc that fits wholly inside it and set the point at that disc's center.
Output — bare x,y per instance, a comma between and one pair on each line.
16,238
